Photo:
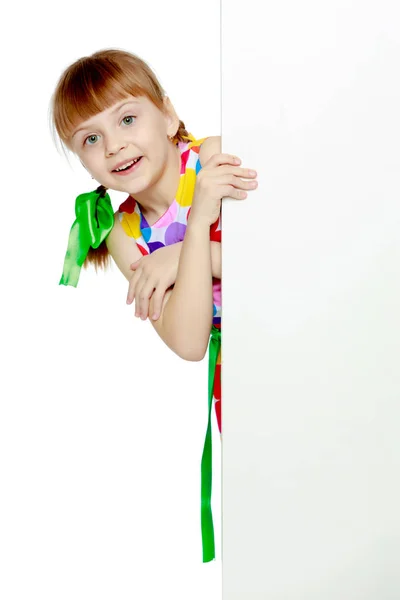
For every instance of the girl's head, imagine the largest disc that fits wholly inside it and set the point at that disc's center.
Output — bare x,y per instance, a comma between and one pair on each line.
109,108
91,94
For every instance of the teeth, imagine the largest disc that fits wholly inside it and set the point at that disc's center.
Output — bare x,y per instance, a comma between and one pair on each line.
129,164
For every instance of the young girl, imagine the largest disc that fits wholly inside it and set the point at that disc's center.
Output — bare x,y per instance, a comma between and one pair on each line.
110,110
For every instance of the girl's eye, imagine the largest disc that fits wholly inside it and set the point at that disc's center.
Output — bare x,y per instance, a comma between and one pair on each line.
91,139
128,120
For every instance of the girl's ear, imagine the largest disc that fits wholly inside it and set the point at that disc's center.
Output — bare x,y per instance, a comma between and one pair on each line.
172,118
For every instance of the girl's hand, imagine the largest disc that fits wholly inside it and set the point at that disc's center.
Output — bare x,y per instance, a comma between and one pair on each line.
154,273
220,177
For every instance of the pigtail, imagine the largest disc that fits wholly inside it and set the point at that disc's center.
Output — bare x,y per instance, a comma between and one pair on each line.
181,134
99,257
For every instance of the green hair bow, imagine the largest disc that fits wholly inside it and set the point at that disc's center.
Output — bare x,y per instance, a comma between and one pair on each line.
94,221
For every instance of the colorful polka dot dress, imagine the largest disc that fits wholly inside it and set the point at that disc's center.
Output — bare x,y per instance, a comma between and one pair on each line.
170,229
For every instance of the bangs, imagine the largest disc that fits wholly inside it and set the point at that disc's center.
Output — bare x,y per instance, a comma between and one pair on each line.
96,83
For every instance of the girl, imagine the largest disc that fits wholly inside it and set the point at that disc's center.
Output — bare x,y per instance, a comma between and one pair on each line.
111,111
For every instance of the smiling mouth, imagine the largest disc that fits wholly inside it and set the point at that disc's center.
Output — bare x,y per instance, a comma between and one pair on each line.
129,166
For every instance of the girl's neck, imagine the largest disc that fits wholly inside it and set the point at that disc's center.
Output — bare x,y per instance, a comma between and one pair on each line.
154,202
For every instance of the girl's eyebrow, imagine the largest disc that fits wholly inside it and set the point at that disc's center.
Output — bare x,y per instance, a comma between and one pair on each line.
116,109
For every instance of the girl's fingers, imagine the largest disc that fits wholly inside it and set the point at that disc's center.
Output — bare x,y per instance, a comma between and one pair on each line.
231,192
131,292
158,297
237,171
143,299
222,159
138,293
144,291
239,183
246,185
132,287
217,160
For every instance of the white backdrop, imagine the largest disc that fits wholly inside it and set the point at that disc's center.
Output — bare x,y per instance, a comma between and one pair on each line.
99,458
311,296
101,426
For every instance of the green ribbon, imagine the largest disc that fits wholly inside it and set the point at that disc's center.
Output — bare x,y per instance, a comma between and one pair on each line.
94,221
207,527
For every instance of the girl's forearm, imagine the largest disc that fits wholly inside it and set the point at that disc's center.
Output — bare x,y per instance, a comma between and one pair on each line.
216,259
188,314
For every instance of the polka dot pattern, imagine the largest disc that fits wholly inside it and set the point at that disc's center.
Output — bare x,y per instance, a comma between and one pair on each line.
155,246
146,232
143,250
215,231
174,233
131,225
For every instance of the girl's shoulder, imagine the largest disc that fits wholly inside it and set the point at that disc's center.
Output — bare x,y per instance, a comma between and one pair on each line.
122,247
210,146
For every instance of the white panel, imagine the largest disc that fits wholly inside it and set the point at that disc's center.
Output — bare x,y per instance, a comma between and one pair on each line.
311,295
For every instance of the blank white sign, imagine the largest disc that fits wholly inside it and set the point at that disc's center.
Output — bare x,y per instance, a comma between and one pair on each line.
311,296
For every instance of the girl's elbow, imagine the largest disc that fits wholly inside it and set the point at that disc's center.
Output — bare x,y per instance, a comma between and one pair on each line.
196,357
191,352
192,355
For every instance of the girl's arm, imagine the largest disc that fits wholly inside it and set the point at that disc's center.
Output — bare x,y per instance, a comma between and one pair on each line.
216,261
186,315
187,311
210,146
185,326
215,256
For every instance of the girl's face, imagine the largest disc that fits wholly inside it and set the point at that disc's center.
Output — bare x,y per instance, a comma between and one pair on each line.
131,129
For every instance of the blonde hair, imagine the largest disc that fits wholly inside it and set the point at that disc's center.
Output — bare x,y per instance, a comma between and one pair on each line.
93,84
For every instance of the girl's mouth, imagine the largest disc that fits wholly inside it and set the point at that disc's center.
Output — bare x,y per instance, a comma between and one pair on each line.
132,165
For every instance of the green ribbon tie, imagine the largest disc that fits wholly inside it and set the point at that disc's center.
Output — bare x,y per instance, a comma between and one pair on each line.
207,527
94,221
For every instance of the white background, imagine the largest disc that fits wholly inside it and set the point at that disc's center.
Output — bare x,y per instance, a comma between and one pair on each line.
101,425
99,458
311,296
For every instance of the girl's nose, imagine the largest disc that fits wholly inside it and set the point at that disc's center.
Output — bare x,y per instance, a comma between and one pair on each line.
113,146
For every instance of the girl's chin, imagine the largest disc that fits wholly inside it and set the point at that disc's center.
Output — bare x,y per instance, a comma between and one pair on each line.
131,190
